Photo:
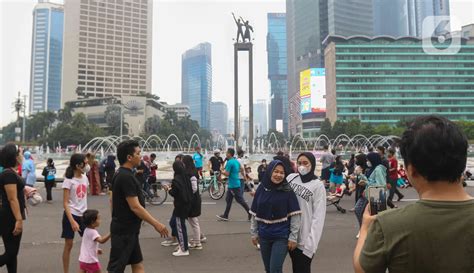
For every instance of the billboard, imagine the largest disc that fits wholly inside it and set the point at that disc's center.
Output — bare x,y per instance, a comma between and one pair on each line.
313,90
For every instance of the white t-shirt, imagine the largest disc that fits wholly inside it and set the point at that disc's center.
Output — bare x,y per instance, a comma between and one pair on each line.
89,246
241,161
77,194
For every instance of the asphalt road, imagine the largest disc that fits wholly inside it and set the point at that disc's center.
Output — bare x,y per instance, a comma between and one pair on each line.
228,248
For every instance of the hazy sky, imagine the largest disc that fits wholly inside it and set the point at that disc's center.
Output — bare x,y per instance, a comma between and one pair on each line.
177,26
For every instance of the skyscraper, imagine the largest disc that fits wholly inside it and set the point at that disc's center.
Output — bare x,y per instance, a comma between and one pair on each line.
277,69
405,17
219,117
309,22
107,48
260,118
350,17
196,82
46,57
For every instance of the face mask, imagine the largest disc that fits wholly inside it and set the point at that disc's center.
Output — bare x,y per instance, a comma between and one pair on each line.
86,168
303,170
369,164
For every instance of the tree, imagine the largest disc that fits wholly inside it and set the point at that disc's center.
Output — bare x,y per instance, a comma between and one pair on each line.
39,124
279,136
326,128
65,114
339,128
79,131
152,125
383,130
353,127
366,129
172,117
112,117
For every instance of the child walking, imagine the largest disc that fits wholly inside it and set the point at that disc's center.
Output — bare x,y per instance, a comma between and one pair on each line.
88,258
74,187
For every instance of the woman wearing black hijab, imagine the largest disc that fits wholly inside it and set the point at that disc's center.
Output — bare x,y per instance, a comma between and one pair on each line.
377,176
183,194
311,196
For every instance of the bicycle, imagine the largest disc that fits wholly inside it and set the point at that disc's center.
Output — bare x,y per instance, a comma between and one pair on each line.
212,184
156,194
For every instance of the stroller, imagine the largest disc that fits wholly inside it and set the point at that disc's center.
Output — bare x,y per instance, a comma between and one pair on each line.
333,199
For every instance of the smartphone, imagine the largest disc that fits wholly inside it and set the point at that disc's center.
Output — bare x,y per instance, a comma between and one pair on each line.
377,197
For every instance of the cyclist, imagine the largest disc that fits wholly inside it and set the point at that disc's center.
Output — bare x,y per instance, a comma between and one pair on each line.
216,163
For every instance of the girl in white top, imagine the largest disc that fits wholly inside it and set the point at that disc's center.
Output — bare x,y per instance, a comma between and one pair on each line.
311,196
88,257
75,187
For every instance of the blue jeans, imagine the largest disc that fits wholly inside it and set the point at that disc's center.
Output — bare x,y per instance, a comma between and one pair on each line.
231,194
273,254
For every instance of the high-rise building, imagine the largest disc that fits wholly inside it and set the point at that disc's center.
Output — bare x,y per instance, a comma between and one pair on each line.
277,69
392,17
219,117
431,13
350,17
46,57
294,115
400,18
309,22
107,48
385,80
196,82
260,118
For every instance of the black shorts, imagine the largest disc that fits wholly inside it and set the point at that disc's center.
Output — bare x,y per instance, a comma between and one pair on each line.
325,173
125,250
68,233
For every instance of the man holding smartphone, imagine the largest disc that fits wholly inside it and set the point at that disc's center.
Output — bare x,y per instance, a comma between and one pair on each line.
434,234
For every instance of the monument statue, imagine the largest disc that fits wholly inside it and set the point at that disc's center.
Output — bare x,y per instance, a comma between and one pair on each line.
239,24
248,28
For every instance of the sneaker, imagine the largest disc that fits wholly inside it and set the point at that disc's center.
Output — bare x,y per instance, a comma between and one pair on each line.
169,243
400,197
203,238
197,246
180,253
352,210
249,217
222,218
358,234
257,246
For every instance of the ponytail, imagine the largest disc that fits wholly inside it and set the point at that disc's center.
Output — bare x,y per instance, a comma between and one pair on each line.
69,172
76,159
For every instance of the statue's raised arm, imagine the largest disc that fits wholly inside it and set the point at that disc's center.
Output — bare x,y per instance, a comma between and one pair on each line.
235,19
240,32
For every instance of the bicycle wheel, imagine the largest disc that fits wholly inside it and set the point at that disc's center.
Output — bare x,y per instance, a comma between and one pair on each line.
216,190
159,195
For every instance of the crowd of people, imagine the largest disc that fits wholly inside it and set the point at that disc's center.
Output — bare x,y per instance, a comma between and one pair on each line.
287,212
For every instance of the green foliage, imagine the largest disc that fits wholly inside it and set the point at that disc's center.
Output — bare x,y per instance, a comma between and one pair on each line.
280,137
47,127
183,128
79,131
112,117
326,127
354,127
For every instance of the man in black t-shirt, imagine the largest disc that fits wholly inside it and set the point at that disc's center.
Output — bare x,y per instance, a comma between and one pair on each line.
215,162
128,211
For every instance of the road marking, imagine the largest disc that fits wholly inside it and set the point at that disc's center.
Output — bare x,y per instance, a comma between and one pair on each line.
203,203
409,200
